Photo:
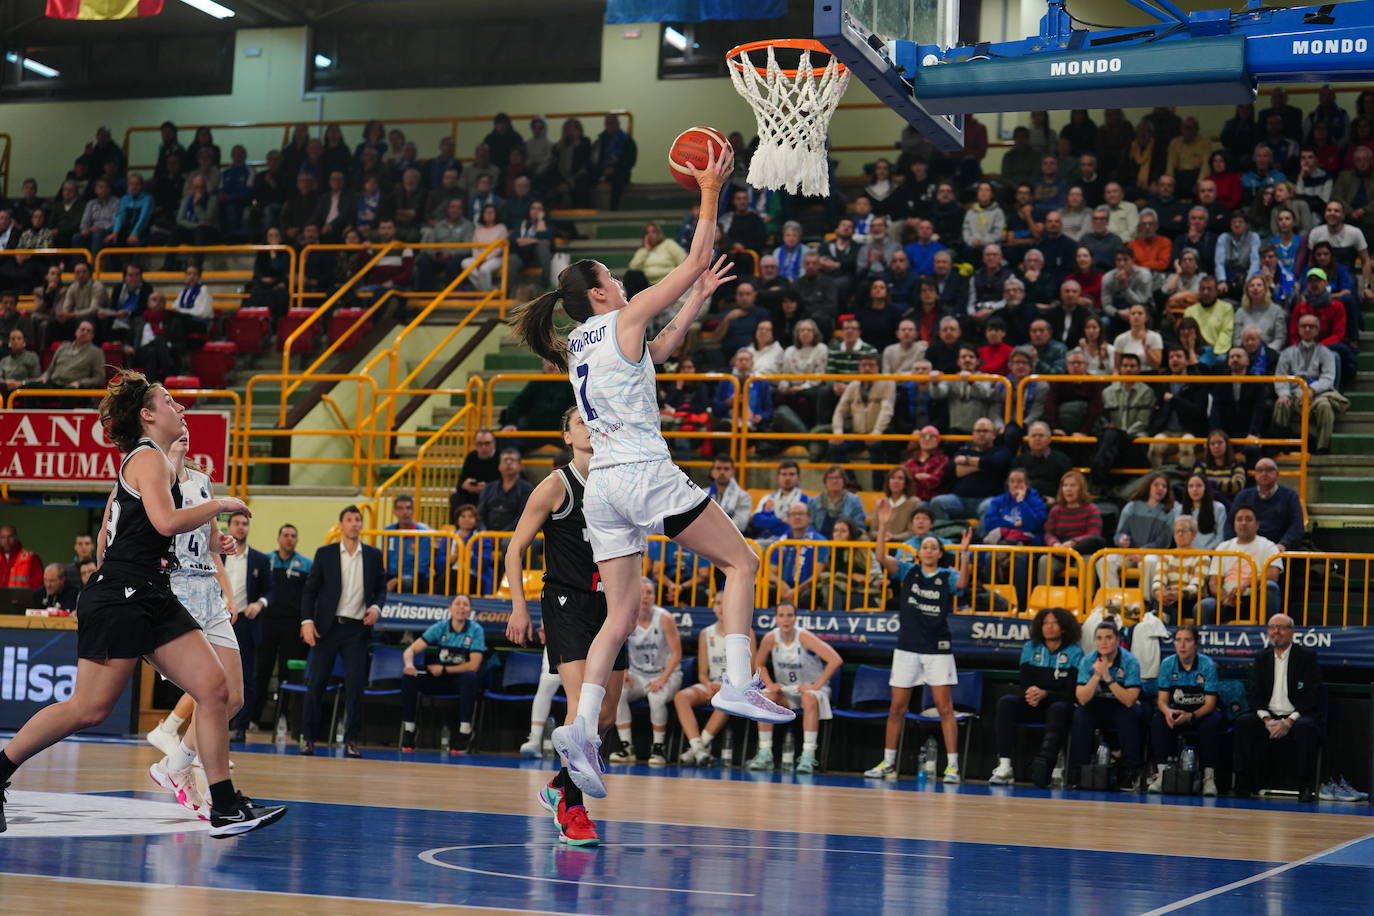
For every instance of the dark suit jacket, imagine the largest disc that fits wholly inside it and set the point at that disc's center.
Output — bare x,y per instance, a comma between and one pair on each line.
259,576
1189,408
1246,416
320,600
348,212
1304,680
65,599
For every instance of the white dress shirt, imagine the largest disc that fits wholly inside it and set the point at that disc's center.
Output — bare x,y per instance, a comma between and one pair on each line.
236,566
351,591
1279,705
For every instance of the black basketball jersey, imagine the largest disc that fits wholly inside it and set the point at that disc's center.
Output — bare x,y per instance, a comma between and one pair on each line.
130,537
567,551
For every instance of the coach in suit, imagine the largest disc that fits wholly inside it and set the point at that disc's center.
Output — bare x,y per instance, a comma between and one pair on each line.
1285,698
343,598
250,576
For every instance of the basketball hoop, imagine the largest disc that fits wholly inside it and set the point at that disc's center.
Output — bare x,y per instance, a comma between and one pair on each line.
793,108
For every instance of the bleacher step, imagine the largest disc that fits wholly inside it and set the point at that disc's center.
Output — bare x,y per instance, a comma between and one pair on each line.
1360,420
1352,490
1352,443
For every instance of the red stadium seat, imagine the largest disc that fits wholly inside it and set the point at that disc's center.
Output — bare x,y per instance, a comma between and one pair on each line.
214,362
114,353
293,319
249,328
45,358
182,381
341,321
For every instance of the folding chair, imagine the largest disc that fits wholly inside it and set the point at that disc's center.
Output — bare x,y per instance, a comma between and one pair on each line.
387,666
968,706
332,685
522,669
867,692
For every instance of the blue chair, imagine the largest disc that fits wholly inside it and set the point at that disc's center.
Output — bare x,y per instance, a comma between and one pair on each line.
522,669
870,696
333,686
387,667
968,707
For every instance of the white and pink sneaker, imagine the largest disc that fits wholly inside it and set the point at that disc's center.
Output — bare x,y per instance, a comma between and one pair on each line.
749,701
183,787
581,753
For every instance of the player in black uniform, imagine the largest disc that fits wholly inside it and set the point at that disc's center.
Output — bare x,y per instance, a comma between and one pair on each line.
128,610
573,608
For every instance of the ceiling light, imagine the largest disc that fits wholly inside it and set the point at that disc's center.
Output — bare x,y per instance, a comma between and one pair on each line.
674,38
33,66
324,63
211,8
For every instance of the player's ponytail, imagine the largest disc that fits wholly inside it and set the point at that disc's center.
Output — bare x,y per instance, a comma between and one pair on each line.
121,408
533,321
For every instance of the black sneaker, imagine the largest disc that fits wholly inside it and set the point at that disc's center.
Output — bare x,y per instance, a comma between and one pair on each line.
243,817
3,825
459,743
658,756
1040,772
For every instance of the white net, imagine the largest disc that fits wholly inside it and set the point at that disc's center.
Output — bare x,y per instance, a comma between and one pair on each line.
793,109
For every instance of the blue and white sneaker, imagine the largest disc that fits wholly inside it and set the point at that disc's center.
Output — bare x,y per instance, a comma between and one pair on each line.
581,753
1350,792
748,701
549,796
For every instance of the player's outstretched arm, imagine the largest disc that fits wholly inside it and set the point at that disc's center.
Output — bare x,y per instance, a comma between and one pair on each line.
671,337
538,508
883,511
635,316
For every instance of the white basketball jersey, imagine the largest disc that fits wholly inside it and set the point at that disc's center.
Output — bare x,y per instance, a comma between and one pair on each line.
715,654
617,397
792,664
648,647
192,549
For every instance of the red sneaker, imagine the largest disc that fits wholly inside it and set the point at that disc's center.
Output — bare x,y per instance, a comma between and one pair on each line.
574,826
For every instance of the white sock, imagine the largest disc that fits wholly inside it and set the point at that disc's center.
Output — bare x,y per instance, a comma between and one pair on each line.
890,756
589,705
953,763
624,731
660,737
737,660
765,741
408,726
181,758
464,728
809,742
1004,762
536,732
1162,767
172,724
699,743
707,736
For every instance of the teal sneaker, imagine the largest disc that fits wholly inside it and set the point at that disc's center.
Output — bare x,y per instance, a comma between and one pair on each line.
760,762
806,763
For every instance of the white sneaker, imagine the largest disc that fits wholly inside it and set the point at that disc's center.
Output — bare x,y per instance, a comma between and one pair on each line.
581,753
624,755
183,787
1209,785
748,701
1002,776
952,775
531,750
883,770
657,756
1057,778
163,740
1156,785
688,758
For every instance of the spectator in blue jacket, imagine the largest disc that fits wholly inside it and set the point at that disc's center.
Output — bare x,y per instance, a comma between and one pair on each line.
837,502
408,559
770,516
133,215
1016,518
758,409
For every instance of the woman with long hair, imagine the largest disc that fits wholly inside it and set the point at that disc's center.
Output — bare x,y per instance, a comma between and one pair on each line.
845,583
1220,467
1049,673
489,229
1259,310
1087,276
897,494
128,610
634,488
1101,355
1146,522
1074,522
806,356
1226,177
1208,511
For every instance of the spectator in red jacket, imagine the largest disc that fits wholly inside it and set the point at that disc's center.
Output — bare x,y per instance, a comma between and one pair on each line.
19,568
1331,315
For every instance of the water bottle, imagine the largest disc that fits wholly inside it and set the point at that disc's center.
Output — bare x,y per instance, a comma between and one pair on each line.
788,752
444,739
921,760
282,731
929,755
1104,756
1187,761
727,747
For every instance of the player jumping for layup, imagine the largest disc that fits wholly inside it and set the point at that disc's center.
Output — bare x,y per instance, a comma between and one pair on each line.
574,608
634,488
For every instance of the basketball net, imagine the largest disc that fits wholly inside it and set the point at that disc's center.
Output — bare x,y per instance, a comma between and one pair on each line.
793,110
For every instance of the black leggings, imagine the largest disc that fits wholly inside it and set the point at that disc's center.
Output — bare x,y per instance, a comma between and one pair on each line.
1012,710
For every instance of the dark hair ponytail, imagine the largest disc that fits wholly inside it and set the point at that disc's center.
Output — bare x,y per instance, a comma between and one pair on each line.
121,408
533,321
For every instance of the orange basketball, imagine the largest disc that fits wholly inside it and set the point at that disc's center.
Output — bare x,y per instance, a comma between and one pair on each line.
695,145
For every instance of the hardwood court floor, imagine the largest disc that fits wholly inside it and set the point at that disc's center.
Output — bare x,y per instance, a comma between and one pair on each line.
466,832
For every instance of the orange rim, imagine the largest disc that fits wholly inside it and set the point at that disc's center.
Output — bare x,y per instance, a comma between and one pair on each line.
794,44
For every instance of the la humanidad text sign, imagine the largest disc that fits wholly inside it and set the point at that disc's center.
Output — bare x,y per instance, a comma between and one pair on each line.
974,634
69,446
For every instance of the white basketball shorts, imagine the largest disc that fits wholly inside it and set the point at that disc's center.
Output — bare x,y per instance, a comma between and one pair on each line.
202,597
625,503
914,669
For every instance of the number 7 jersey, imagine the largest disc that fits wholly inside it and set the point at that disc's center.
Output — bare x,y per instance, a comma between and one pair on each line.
617,397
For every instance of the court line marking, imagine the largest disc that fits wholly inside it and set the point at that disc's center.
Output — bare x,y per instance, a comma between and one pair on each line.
1253,879
425,904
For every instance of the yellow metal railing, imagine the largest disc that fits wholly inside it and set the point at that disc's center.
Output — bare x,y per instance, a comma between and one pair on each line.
1124,576
1326,577
302,296
1299,444
452,123
434,469
850,579
1007,580
363,469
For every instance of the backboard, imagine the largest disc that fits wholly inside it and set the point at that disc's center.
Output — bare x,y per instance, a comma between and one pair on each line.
868,36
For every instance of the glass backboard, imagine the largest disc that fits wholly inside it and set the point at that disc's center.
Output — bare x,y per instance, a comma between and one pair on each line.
869,36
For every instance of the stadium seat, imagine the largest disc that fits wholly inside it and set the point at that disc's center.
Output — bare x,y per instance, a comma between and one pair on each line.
45,358
968,707
386,668
331,686
1043,596
869,699
183,381
214,362
113,352
293,319
249,329
341,321
522,669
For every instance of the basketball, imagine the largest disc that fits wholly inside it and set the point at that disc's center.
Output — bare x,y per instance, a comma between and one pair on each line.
695,145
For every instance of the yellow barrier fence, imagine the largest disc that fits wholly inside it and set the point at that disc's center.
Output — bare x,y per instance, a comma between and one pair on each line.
1299,445
834,575
302,296
1323,588
1017,581
363,467
1131,578
434,472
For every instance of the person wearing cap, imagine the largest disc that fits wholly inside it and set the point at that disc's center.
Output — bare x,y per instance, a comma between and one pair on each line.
1331,324
1316,365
